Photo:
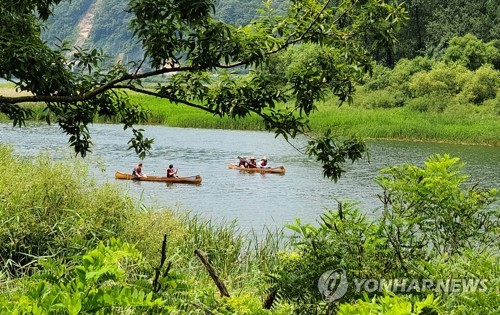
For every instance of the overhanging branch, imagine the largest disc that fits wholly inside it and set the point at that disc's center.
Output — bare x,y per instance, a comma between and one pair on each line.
172,99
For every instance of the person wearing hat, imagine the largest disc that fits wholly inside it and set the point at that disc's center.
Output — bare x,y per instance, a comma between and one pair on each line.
242,161
251,163
171,172
263,162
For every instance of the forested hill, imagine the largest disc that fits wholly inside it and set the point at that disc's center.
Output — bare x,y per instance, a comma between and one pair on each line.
432,23
105,23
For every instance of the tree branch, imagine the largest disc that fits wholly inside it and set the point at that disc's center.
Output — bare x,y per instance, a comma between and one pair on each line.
98,90
173,99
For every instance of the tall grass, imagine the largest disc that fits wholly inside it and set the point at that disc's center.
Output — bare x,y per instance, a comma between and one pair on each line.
403,123
465,124
55,209
377,115
240,258
163,112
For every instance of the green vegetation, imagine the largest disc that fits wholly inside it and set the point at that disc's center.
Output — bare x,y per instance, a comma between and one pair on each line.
197,60
460,124
431,24
56,227
70,246
374,114
420,99
73,247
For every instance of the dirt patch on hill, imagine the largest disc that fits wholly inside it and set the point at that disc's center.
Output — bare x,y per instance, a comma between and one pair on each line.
86,23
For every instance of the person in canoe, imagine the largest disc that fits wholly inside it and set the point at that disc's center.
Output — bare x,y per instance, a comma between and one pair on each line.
137,172
242,161
262,163
251,163
171,172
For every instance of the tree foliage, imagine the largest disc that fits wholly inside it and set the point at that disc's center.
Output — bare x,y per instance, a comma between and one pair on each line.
466,74
185,43
432,24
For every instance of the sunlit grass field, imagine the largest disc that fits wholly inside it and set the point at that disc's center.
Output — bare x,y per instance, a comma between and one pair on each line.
466,126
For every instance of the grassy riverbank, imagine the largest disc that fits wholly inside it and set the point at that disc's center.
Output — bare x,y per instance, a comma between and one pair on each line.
72,246
462,125
456,124
52,213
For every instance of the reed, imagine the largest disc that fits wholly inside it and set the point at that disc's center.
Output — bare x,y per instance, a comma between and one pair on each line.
53,209
467,123
162,112
240,258
470,124
403,123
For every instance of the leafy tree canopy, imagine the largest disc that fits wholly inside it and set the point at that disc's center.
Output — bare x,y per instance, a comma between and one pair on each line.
185,45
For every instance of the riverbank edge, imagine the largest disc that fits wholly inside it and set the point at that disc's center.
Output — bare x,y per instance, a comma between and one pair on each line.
466,127
494,143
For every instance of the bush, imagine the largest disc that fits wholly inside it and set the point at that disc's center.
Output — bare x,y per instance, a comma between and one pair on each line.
377,99
379,79
103,283
483,85
493,53
391,304
471,265
442,80
428,213
471,52
432,104
405,69
493,105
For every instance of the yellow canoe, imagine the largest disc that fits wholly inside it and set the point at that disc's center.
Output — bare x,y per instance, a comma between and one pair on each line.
277,170
196,179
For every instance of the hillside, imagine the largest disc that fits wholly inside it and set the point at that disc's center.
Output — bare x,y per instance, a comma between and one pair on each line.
431,24
105,23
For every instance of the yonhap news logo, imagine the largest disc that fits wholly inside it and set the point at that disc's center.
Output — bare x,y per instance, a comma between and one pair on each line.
333,285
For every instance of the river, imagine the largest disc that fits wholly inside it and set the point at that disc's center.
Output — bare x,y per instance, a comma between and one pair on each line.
256,201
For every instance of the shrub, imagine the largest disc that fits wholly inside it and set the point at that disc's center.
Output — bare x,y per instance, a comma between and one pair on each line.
436,209
442,80
493,53
391,304
376,99
102,283
467,50
405,69
472,52
483,84
428,104
379,79
427,213
479,269
493,105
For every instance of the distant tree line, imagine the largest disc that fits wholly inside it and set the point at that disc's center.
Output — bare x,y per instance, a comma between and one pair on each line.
430,26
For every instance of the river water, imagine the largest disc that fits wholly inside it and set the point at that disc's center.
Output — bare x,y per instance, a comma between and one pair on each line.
256,201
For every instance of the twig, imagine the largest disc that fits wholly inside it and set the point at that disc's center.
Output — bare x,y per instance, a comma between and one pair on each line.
156,283
212,273
268,302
